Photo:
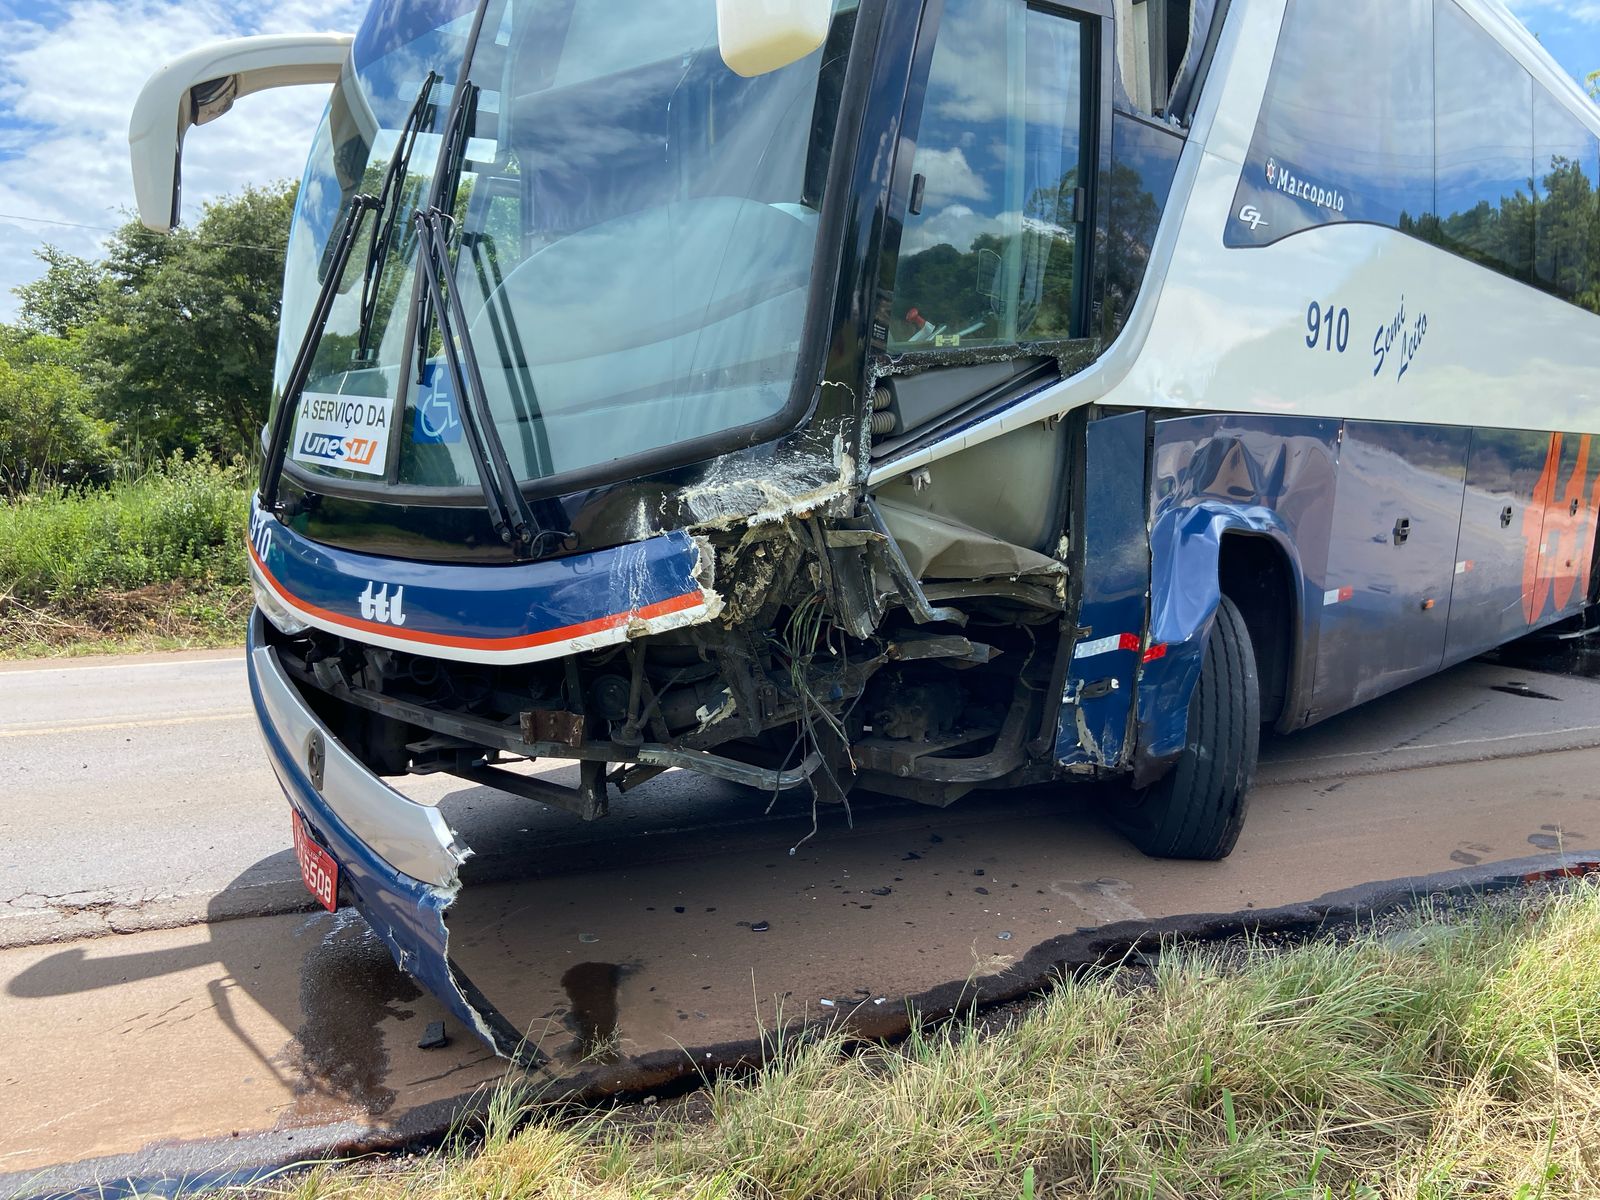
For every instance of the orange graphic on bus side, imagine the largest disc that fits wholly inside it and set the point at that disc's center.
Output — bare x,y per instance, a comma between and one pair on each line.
1557,535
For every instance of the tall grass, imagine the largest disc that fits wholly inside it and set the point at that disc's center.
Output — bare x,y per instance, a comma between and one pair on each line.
162,551
182,521
1460,1061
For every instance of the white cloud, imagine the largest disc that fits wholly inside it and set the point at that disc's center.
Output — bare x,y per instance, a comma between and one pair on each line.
67,85
958,226
949,176
1585,12
970,63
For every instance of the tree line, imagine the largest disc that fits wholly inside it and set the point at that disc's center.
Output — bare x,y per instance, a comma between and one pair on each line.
162,345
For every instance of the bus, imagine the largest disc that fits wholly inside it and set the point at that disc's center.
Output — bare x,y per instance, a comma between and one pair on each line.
927,397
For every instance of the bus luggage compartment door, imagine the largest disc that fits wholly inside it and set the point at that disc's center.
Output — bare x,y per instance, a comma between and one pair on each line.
1391,560
1498,552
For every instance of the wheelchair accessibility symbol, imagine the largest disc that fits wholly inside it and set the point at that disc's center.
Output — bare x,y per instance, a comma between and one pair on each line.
437,420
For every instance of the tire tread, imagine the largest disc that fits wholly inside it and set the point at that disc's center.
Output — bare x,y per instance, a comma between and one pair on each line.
1197,810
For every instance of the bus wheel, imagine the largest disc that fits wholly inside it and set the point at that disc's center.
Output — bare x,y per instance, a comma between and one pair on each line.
1197,808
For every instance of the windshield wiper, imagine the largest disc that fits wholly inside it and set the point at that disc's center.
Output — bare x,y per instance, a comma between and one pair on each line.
300,372
388,209
386,206
508,509
509,512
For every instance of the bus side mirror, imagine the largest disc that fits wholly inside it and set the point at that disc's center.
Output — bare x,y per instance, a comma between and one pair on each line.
202,85
758,36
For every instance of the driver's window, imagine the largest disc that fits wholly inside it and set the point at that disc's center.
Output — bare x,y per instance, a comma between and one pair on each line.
988,255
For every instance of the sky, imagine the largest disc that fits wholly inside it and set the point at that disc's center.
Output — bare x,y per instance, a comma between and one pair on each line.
69,73
70,70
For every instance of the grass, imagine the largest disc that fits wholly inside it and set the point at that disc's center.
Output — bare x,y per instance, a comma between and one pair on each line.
151,563
1458,1060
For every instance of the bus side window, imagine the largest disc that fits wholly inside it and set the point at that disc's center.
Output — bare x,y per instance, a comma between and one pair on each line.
1326,150
1144,159
1484,113
1565,178
988,255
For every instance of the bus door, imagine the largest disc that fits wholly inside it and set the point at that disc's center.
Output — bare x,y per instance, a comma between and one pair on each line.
1501,522
1391,560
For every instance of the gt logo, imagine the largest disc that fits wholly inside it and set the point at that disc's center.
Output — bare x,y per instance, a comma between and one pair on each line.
1251,216
381,607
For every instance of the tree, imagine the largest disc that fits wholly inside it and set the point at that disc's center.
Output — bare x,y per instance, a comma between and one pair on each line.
182,347
64,297
47,435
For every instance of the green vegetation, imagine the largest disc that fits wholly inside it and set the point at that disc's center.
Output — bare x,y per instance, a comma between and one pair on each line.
165,344
123,383
1458,1057
155,562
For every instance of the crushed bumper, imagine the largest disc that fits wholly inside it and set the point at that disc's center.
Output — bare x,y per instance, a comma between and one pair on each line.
398,859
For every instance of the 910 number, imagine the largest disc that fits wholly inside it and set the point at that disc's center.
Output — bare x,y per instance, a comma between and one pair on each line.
1328,327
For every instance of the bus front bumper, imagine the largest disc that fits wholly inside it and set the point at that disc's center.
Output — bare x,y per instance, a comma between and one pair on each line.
398,859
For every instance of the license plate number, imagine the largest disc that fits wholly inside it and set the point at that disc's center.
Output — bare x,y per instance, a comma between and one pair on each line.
317,868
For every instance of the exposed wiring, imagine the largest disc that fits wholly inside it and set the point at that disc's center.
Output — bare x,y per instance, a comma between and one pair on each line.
808,628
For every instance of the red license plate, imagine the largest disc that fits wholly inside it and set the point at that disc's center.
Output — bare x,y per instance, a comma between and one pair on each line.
317,867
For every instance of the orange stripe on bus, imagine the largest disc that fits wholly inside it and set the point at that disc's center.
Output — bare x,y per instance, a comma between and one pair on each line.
522,642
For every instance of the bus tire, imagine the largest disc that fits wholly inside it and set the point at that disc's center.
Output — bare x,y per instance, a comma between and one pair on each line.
1196,810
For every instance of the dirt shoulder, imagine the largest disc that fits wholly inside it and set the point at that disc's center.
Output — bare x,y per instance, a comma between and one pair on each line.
159,617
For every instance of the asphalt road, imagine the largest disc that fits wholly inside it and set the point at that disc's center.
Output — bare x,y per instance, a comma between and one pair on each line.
133,797
134,794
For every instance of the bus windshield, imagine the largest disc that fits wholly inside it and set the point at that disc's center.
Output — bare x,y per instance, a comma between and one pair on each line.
633,229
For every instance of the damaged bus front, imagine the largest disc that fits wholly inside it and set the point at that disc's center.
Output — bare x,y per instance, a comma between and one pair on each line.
644,413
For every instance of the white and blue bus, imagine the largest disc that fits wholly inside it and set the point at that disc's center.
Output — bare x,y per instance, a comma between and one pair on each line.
922,396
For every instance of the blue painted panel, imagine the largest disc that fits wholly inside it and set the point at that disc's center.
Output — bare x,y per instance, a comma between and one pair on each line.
440,607
1116,576
1498,549
1386,601
1213,476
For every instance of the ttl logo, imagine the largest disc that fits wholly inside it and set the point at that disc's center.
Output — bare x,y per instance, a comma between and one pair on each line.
381,607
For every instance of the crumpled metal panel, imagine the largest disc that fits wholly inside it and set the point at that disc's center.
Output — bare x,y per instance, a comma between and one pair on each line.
1211,476
406,912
